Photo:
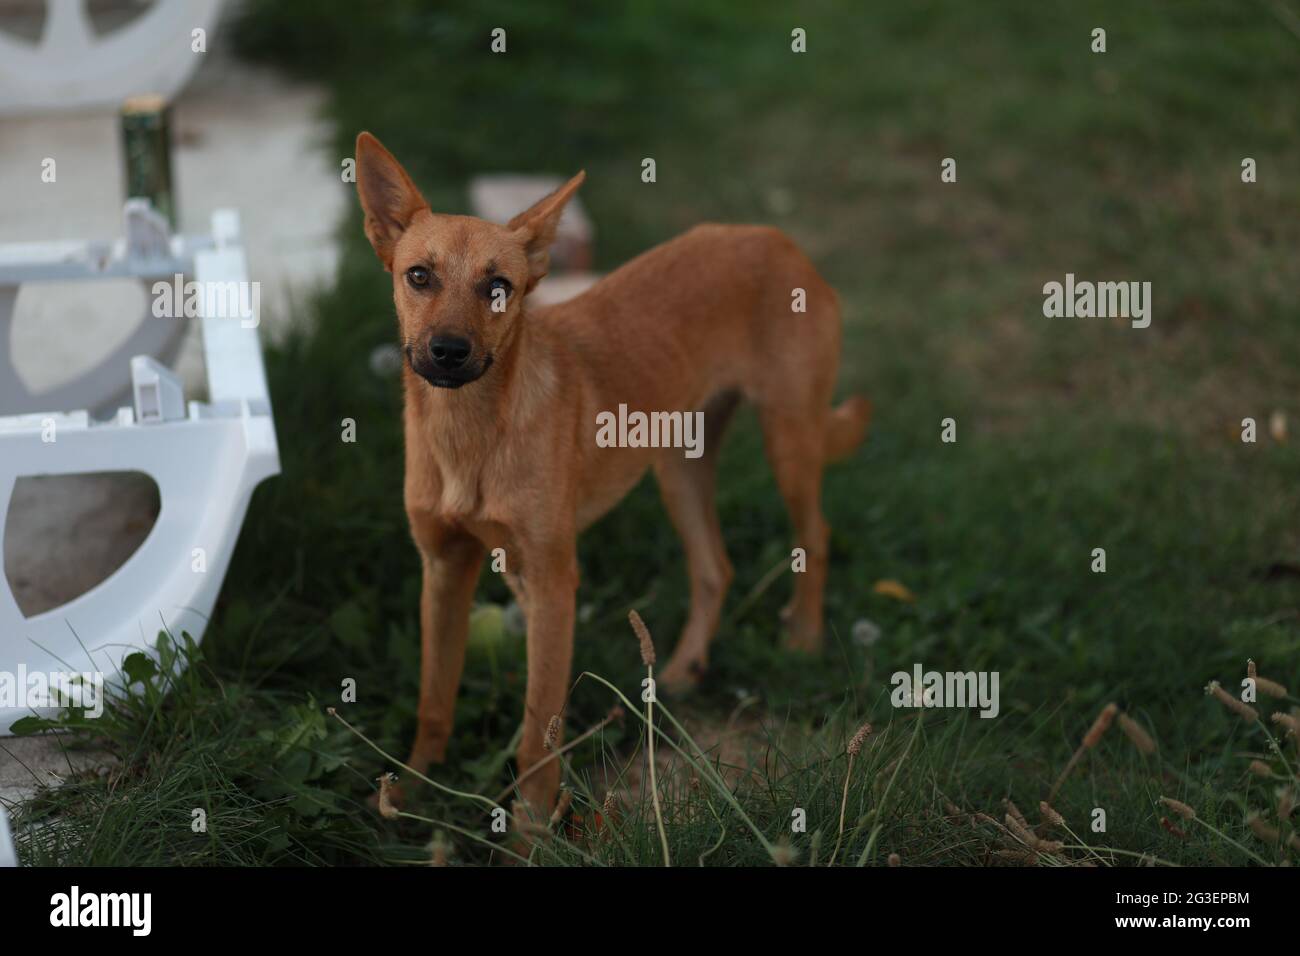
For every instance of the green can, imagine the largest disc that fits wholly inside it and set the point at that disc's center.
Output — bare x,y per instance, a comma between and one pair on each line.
147,153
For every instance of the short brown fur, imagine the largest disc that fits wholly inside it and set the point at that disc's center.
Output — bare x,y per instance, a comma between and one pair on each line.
508,459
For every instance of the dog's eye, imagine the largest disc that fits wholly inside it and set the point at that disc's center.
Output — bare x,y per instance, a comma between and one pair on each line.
499,283
418,276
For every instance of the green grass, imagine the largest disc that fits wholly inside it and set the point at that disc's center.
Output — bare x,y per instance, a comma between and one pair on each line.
1072,435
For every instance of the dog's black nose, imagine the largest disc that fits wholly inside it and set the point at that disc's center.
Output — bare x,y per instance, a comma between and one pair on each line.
449,351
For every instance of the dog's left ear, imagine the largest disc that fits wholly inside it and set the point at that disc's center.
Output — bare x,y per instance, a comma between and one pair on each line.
388,197
537,224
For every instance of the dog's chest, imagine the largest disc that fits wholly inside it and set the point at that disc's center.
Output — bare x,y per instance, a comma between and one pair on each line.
465,501
473,486
458,487
458,497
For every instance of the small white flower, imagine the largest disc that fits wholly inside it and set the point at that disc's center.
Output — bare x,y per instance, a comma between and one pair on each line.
865,633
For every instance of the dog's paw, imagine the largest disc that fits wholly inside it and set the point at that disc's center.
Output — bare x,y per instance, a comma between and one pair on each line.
681,677
528,828
802,638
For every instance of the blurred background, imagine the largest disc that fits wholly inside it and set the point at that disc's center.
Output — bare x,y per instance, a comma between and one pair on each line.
1072,434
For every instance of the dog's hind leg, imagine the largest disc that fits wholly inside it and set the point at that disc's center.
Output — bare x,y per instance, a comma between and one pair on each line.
687,487
795,445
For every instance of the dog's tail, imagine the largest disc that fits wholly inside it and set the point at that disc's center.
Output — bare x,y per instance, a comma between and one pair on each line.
846,426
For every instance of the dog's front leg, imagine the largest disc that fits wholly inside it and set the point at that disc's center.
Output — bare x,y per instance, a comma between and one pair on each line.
451,569
552,588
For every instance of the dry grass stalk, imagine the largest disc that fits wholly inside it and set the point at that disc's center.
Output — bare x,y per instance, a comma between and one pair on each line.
955,814
1178,807
1265,769
854,748
1050,815
1137,734
783,854
1285,803
643,636
1240,708
1270,687
1290,723
1266,832
648,659
1029,838
859,738
552,732
1014,811
1090,740
1020,830
1100,726
615,713
387,809
610,809
1269,833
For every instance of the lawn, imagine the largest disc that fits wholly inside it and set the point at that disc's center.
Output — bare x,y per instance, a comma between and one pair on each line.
1072,435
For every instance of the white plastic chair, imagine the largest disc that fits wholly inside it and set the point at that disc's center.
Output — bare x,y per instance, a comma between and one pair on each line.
206,458
71,68
147,239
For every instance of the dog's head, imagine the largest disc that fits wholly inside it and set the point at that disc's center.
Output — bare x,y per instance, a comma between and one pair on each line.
458,282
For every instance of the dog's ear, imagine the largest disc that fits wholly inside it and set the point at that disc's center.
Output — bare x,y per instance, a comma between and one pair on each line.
536,227
388,197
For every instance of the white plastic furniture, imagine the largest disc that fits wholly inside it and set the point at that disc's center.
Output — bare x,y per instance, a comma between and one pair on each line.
71,68
147,236
7,855
206,458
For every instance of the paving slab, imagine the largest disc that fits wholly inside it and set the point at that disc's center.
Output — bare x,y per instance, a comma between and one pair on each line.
29,764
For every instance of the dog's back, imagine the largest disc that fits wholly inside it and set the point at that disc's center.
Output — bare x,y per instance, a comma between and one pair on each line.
720,307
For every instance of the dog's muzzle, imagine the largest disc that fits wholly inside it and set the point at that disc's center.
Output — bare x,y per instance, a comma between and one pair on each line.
448,362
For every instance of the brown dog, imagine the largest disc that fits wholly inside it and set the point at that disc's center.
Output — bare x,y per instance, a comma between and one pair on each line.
503,403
